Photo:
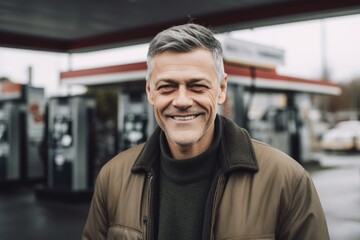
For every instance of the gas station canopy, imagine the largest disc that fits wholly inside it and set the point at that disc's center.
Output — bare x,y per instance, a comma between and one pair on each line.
262,80
86,25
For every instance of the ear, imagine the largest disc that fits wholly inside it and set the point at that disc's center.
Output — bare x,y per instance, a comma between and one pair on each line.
149,93
223,88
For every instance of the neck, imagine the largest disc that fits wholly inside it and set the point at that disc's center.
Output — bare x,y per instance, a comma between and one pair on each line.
185,152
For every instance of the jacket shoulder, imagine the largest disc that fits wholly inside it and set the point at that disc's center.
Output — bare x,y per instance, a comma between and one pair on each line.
278,201
277,162
122,162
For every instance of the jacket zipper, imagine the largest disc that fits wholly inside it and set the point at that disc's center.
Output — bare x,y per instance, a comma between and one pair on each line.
148,218
218,193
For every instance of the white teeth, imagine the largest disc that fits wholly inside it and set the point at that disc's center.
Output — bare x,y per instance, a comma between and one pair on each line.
184,118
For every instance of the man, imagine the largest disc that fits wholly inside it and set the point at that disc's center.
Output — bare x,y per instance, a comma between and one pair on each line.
200,176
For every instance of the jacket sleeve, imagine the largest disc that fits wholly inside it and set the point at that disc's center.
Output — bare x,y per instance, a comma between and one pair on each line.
305,217
96,225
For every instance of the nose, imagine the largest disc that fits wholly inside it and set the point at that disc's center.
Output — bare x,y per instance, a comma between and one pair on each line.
183,99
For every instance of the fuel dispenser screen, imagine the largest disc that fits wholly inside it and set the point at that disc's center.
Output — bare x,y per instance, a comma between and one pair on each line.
62,135
134,129
134,116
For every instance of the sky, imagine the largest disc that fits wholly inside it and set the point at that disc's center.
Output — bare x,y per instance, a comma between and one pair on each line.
308,46
311,45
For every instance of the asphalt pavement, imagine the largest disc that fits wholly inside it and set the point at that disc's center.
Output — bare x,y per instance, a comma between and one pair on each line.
337,180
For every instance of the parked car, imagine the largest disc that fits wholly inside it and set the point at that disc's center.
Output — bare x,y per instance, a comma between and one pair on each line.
345,136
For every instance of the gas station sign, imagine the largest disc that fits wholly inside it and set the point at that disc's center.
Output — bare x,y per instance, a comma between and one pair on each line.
9,90
252,54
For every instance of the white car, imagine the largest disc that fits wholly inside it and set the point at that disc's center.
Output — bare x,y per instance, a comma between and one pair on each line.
345,136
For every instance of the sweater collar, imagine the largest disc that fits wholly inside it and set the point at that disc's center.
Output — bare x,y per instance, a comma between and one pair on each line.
193,169
236,151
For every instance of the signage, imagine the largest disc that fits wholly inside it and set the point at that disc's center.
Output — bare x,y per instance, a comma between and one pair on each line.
9,90
252,54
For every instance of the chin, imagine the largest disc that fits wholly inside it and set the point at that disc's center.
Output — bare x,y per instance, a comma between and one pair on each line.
181,141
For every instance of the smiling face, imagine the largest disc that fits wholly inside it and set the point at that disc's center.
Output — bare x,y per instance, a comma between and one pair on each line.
185,92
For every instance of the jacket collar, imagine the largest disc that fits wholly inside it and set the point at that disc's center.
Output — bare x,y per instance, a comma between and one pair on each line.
236,150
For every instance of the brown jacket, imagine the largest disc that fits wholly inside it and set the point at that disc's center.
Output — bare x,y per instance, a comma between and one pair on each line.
259,193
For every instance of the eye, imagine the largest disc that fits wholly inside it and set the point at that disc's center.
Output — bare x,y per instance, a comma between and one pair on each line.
166,88
198,87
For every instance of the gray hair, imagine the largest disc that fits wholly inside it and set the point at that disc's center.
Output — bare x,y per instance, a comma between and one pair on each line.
185,38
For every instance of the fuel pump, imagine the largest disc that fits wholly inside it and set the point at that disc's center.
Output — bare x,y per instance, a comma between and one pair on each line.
3,147
135,118
21,130
70,124
10,141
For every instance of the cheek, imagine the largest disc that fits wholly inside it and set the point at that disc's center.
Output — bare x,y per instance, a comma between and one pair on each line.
211,97
207,100
160,101
154,95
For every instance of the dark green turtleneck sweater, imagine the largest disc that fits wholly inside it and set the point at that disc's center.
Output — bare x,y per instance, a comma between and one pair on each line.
184,187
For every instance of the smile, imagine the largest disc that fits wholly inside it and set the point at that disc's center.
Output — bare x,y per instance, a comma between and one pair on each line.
184,118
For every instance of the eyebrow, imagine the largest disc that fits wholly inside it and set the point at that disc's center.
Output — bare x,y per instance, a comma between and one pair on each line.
195,80
190,81
166,80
